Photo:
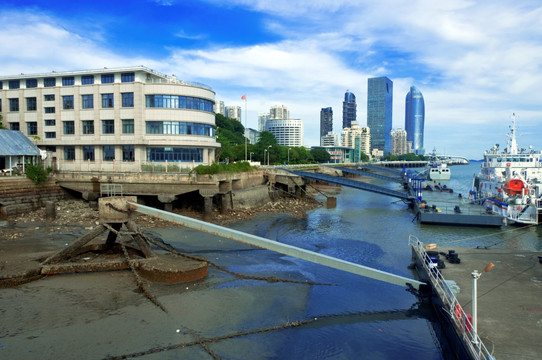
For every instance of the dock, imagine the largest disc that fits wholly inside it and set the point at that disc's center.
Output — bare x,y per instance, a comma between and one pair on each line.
509,305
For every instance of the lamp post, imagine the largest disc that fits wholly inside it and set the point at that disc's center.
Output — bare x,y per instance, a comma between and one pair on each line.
475,276
289,155
264,156
268,153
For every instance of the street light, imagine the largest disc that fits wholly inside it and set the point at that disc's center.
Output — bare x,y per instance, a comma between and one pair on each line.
268,153
264,156
289,155
475,276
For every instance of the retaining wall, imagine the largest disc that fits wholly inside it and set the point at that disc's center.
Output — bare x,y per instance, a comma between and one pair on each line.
19,195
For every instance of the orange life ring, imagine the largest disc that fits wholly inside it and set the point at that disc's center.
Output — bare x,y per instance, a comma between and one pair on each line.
458,312
508,164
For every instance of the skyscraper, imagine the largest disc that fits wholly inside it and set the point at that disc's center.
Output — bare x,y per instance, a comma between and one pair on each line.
349,109
379,112
415,119
326,122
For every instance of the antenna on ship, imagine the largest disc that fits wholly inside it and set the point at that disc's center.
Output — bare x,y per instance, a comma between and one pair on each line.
512,144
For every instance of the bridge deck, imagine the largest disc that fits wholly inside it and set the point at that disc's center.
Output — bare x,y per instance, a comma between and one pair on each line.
395,178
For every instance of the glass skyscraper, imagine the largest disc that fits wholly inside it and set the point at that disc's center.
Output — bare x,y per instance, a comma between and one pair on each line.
349,109
326,122
379,112
415,119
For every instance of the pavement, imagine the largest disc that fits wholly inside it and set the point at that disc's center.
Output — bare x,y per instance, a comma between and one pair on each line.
509,298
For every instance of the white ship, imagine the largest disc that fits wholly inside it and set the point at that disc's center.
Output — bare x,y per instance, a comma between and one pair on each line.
510,181
437,168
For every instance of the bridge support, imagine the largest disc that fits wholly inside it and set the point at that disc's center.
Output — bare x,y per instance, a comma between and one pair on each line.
207,202
167,200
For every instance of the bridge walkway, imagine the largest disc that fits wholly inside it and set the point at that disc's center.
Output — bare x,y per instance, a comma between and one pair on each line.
356,184
396,178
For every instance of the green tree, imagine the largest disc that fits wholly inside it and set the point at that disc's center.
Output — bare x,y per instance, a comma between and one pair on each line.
1,124
230,134
320,155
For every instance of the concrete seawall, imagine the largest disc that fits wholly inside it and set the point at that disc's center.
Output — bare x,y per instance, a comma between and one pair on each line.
19,195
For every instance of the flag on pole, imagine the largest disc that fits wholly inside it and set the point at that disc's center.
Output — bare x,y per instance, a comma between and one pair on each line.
244,97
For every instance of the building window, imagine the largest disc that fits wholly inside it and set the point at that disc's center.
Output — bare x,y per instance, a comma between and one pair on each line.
14,104
128,126
0,105
69,153
48,82
108,78
128,99
49,110
69,127
108,127
179,128
67,102
88,127
31,83
50,122
68,81
32,128
50,148
87,79
14,84
14,126
178,102
107,101
108,153
87,101
1,86
50,135
88,152
127,77
31,104
49,97
159,154
128,153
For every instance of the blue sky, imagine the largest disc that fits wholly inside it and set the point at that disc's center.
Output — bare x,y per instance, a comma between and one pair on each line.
476,62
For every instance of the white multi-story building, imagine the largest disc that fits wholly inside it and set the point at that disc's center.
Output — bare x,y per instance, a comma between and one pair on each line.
262,120
219,108
277,112
287,132
399,144
112,119
233,112
330,139
362,134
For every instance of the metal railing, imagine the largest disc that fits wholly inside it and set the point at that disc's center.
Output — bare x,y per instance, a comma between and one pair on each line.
111,190
460,319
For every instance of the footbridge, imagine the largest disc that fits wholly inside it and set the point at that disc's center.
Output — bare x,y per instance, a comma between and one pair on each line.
356,184
364,171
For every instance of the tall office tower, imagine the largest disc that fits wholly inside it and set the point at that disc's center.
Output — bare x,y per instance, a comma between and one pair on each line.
287,132
326,122
399,144
349,109
415,119
219,107
279,113
379,112
233,112
262,120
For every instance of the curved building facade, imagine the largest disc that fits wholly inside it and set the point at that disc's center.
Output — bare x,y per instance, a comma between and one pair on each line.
349,109
415,119
121,119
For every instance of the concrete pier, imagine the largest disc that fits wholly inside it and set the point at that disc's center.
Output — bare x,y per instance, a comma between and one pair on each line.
509,298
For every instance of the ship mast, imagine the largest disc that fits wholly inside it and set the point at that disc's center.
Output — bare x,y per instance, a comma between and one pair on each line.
512,145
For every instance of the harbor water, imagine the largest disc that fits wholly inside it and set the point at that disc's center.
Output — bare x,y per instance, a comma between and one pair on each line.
345,316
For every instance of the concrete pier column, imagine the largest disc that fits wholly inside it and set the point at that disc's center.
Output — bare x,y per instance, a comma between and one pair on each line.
167,200
50,210
207,207
225,202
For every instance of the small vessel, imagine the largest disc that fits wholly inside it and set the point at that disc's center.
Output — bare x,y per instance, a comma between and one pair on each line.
510,181
437,168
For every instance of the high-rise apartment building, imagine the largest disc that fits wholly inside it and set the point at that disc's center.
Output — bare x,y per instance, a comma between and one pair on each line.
415,119
112,119
287,132
379,112
326,122
349,109
330,139
277,112
219,108
399,144
233,112
262,120
357,137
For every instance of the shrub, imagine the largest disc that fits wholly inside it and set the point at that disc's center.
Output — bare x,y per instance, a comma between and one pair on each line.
242,166
36,173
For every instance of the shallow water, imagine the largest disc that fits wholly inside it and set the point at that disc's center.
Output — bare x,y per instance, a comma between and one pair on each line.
93,316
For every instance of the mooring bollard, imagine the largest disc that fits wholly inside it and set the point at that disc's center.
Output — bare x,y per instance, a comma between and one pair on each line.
50,210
